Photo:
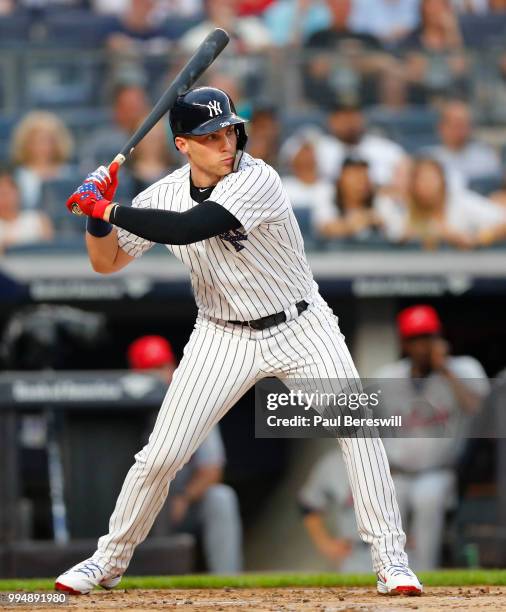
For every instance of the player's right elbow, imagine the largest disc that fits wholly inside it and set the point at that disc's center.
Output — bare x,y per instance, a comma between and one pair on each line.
101,266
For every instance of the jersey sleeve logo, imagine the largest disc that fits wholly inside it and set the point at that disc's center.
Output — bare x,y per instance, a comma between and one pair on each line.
234,237
214,108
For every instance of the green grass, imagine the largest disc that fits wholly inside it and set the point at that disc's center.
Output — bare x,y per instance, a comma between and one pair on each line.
440,578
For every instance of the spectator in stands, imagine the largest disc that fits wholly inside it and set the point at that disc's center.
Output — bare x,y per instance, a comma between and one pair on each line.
347,137
161,10
352,214
388,20
463,157
435,394
137,30
339,29
264,133
293,22
198,501
341,211
435,59
151,158
434,213
343,63
470,6
439,28
305,188
130,106
18,227
325,489
41,148
248,34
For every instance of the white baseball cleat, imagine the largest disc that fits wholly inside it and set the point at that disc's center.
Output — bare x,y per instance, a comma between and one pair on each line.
83,577
398,580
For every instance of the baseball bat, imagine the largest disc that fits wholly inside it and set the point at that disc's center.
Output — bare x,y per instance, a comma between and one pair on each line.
203,57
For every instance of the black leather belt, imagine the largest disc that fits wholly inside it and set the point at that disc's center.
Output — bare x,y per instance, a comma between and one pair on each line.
270,320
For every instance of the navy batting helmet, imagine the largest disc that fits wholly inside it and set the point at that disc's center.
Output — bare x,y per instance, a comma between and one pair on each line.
204,110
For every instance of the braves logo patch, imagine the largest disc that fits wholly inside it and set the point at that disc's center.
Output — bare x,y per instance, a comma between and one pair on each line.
234,237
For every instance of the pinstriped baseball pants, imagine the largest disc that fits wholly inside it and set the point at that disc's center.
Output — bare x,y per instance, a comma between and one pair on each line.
220,363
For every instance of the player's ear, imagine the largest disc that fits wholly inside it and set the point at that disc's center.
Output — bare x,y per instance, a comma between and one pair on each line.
181,144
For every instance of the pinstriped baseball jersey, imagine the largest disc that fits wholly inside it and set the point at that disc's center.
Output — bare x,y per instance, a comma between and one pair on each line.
243,274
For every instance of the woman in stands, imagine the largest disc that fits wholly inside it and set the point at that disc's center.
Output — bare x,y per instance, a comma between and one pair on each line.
40,149
433,213
354,216
343,210
19,227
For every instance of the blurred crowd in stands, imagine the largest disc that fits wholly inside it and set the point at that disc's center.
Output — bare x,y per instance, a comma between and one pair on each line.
385,118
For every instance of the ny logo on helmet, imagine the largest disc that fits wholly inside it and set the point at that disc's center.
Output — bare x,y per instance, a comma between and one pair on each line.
214,108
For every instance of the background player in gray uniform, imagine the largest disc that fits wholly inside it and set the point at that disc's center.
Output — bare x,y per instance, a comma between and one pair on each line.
324,497
436,394
226,216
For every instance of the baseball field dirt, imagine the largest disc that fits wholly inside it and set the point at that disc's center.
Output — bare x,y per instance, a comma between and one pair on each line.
338,599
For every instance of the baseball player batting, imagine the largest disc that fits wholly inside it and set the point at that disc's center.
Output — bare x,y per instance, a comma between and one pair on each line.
226,216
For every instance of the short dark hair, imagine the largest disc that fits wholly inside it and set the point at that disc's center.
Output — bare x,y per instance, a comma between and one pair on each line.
340,106
122,86
264,108
354,161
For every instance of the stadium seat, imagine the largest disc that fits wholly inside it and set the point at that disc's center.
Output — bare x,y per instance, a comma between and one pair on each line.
7,123
291,122
69,244
4,151
374,242
412,120
14,30
56,192
175,27
486,185
82,121
61,29
52,80
54,195
478,30
414,142
304,219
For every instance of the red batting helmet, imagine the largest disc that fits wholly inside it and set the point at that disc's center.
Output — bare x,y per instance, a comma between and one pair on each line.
149,352
419,320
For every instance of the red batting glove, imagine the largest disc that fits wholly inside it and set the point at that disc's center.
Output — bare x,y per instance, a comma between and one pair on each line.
106,180
113,174
88,200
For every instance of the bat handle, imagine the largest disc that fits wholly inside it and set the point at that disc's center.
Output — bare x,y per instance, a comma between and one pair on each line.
120,159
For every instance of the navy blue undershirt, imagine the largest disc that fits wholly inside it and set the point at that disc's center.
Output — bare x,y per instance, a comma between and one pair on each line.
203,221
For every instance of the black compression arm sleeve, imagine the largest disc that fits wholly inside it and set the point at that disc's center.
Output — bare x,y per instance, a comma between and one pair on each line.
166,227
